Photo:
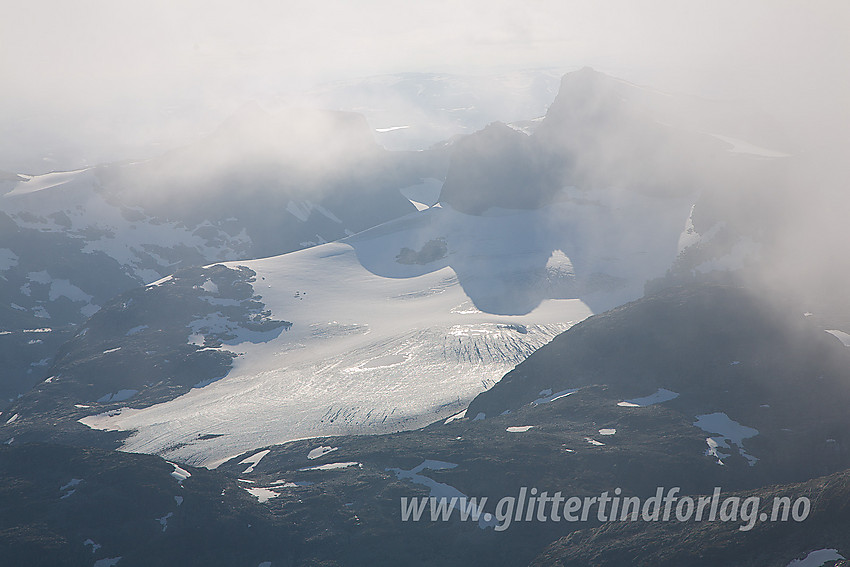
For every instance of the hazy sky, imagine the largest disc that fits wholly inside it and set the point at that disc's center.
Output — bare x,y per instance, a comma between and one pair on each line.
142,71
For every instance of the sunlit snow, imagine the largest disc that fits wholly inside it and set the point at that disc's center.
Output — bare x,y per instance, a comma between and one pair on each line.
262,494
548,396
320,452
179,474
385,346
331,466
253,461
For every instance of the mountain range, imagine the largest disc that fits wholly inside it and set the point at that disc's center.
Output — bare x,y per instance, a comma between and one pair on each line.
326,326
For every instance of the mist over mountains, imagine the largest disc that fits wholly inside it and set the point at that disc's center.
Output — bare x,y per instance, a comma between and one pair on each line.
632,289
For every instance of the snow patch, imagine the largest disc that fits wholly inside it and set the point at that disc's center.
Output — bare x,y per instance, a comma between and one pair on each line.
119,396
68,488
817,558
320,452
660,396
459,415
550,397
332,466
423,195
438,489
607,431
262,494
519,428
210,286
8,259
289,484
179,474
163,521
391,129
94,546
728,431
841,336
253,461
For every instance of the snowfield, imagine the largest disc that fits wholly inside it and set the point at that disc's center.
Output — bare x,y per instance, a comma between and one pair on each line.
403,324
69,203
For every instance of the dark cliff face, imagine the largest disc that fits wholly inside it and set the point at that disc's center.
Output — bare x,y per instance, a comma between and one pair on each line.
599,132
496,167
721,349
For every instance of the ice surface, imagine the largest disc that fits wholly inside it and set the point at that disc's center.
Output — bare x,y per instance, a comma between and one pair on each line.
8,259
290,484
94,546
438,489
320,452
459,415
69,489
179,474
74,196
594,441
841,336
660,396
262,494
425,194
303,209
384,346
163,521
42,182
210,287
331,466
253,461
607,431
71,483
817,558
550,397
390,129
728,431
120,395
519,428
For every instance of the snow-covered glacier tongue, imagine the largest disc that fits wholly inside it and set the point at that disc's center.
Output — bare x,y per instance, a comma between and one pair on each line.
403,324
